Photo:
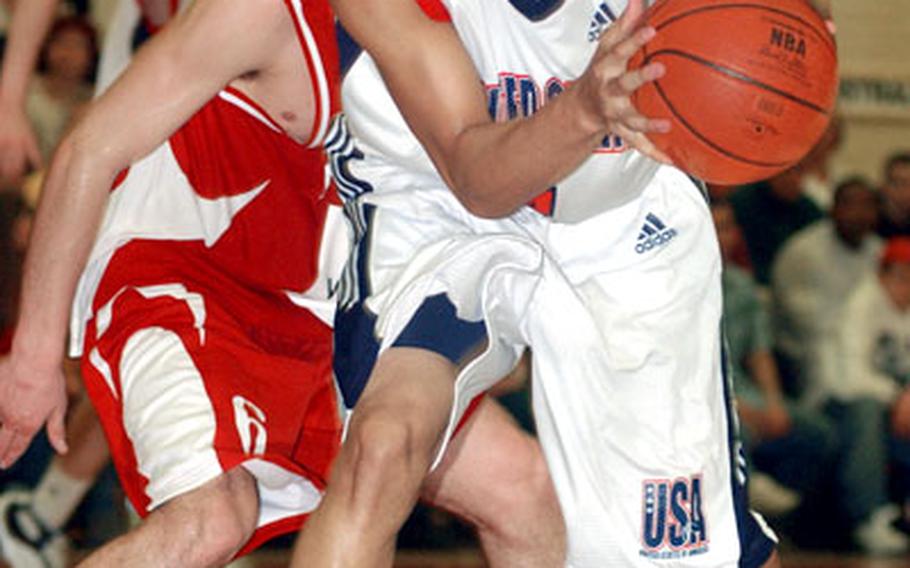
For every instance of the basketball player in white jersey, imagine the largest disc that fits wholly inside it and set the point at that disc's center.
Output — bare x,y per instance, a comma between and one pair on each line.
613,282
206,525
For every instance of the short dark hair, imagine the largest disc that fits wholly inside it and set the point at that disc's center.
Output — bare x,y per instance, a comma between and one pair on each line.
81,25
894,160
852,181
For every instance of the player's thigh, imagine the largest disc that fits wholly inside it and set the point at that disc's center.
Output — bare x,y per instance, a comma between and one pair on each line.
409,390
490,467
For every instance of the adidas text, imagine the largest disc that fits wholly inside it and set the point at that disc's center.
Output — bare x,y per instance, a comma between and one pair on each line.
653,241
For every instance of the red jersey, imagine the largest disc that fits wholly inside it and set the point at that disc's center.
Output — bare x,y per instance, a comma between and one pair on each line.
230,202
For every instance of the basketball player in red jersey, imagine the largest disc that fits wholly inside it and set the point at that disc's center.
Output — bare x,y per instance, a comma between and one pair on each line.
190,334
197,355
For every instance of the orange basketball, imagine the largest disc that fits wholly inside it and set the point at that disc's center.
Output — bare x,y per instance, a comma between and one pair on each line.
750,86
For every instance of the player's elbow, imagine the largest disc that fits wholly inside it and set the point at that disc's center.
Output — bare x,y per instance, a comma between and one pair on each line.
484,204
82,147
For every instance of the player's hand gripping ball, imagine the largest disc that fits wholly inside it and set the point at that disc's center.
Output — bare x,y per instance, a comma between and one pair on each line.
750,86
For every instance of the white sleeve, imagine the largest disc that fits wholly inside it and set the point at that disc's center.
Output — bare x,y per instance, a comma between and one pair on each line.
796,288
858,331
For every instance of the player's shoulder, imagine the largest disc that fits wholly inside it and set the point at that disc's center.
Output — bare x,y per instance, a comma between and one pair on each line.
382,10
255,13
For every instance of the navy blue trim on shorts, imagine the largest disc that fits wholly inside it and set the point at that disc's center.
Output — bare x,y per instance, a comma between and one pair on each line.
356,345
356,348
755,546
436,327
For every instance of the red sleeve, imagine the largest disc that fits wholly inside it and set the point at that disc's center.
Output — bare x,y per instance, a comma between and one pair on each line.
435,10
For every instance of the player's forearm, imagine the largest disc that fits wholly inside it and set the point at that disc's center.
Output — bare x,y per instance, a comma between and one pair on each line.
72,204
30,22
496,168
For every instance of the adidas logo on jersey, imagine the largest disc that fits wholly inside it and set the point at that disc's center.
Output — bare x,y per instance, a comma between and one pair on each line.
602,18
654,233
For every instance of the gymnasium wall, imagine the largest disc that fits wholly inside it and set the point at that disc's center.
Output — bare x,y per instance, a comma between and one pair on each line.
874,50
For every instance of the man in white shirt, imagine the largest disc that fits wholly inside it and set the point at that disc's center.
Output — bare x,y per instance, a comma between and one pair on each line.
870,382
813,274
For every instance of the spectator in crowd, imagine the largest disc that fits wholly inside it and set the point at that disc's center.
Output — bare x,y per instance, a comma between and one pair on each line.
64,82
871,382
793,445
895,206
768,213
813,275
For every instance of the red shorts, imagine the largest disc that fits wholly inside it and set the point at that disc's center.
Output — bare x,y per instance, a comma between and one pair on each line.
187,391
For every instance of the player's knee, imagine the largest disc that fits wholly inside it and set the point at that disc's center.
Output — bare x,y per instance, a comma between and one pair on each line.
383,443
220,522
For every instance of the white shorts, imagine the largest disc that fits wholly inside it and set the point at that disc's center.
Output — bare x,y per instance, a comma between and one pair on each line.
622,315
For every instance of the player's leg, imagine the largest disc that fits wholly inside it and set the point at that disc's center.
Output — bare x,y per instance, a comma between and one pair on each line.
31,521
204,527
388,450
494,476
185,397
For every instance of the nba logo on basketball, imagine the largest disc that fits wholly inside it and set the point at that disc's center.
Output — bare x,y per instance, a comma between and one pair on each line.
673,525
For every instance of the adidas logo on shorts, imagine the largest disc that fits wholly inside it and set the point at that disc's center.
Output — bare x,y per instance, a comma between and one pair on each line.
654,233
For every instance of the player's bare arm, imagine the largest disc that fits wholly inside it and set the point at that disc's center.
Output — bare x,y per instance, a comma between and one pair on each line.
173,76
494,168
18,146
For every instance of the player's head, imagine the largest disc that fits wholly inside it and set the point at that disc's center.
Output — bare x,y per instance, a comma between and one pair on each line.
854,210
896,182
894,271
71,49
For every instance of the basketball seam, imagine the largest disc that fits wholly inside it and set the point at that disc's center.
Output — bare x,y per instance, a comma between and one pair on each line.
734,74
825,39
709,142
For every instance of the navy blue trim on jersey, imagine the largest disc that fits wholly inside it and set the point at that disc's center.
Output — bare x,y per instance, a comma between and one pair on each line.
348,49
755,547
436,327
536,10
341,149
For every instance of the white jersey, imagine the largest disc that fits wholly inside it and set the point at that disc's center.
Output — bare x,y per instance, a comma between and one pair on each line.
545,59
616,291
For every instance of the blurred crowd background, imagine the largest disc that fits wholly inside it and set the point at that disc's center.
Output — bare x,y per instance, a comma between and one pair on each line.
817,300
